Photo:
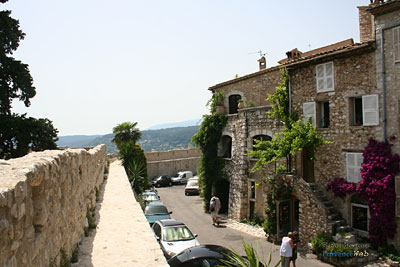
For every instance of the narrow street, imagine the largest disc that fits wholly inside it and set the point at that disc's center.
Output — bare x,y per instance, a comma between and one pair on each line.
189,209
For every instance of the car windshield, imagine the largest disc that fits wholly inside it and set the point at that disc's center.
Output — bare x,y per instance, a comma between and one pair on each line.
179,233
150,197
156,210
192,183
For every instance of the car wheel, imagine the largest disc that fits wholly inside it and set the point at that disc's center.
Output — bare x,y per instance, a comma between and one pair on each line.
186,193
170,184
158,185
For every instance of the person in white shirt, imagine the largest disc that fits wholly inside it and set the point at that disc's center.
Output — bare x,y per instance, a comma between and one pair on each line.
286,250
215,206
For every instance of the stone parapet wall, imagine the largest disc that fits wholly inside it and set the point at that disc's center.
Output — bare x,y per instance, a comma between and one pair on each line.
172,154
171,167
44,198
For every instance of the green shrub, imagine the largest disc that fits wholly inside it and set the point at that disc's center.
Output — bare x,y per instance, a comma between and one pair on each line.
388,249
320,242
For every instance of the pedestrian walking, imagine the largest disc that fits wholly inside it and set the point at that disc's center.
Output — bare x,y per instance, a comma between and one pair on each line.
215,206
295,240
286,250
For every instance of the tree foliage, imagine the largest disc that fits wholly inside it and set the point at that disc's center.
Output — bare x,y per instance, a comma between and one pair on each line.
295,137
126,132
15,79
18,134
132,155
210,168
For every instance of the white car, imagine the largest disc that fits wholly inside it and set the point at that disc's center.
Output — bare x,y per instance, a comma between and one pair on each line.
173,236
181,177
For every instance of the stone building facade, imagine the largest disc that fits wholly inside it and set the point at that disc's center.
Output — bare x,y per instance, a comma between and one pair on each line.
340,87
386,28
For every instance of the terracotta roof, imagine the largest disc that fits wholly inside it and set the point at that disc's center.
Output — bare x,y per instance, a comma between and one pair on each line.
386,7
320,50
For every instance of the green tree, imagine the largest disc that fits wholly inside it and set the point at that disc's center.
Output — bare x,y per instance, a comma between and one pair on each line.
126,132
18,134
15,78
295,137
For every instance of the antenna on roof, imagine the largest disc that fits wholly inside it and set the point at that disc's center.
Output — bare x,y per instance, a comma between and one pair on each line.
259,52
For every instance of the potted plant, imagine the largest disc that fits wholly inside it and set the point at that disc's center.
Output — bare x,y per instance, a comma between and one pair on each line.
241,104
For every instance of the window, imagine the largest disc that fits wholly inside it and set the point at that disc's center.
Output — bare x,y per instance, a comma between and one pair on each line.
396,44
323,114
325,78
353,166
364,110
253,190
260,137
233,103
309,112
359,217
226,151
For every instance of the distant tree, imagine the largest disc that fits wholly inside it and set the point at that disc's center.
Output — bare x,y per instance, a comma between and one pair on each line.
126,132
18,134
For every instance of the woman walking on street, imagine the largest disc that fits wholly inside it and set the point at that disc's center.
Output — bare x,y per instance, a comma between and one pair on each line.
215,206
286,250
295,240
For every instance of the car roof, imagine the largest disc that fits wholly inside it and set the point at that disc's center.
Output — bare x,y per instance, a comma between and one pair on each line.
170,222
202,251
156,203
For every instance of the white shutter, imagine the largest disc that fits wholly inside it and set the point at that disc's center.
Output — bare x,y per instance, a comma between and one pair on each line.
353,166
309,112
329,76
325,77
320,78
396,43
370,104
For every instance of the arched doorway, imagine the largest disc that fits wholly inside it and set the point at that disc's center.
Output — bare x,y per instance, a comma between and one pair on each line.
233,103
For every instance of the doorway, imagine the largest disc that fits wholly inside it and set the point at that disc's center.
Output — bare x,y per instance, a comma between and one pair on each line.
288,212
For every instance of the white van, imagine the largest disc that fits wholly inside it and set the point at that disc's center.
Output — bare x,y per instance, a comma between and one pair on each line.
181,177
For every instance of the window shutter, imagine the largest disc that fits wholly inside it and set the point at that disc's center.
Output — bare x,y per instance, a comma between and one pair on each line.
353,166
329,76
396,43
309,112
370,105
325,77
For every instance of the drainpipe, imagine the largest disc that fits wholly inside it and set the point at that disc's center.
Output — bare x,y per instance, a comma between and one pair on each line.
383,71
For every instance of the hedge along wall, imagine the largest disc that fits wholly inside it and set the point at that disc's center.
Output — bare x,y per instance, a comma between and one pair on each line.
44,197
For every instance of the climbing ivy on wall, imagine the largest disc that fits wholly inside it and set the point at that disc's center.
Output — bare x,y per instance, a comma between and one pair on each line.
377,187
295,137
211,166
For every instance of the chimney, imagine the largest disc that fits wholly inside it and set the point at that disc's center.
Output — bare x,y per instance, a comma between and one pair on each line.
262,63
293,54
366,24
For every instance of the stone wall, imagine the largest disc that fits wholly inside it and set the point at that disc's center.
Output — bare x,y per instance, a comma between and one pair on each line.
383,22
173,154
170,162
354,76
44,198
242,127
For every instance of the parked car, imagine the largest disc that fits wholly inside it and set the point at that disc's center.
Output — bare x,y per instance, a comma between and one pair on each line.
204,255
150,196
181,177
173,236
155,211
163,180
192,187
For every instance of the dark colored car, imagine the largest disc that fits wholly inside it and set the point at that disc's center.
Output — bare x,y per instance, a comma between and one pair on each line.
205,255
155,211
163,180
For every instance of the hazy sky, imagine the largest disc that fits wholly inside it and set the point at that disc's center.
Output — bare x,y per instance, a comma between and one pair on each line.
98,63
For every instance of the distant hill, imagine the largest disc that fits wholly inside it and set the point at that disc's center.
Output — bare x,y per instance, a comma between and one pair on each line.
194,122
152,140
75,140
